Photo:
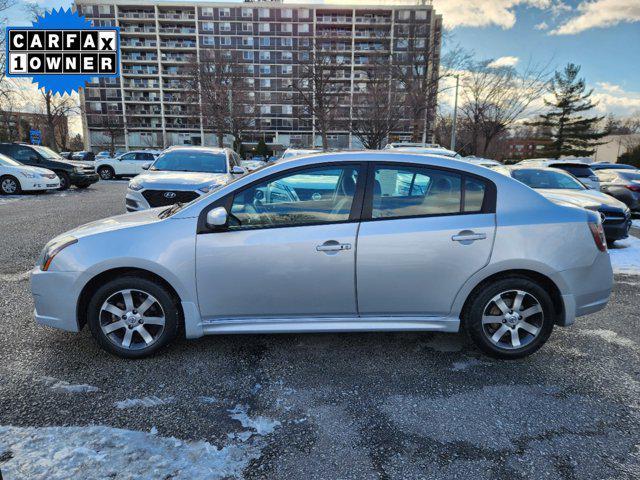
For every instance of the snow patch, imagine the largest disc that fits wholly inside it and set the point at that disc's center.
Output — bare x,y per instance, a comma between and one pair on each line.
56,384
15,277
151,401
98,452
611,337
625,256
261,425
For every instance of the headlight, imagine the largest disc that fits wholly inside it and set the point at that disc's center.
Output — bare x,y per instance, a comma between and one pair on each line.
208,188
53,248
29,175
135,186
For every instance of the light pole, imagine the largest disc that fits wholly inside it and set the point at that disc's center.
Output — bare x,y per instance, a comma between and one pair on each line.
455,115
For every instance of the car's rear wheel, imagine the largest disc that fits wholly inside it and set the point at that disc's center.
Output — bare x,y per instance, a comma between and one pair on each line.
106,173
509,318
133,317
9,185
65,181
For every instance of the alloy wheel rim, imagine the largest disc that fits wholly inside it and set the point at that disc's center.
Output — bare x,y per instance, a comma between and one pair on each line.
9,186
512,319
105,174
132,319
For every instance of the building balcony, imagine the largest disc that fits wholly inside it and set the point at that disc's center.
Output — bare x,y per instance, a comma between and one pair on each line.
181,16
137,15
374,19
151,57
182,126
172,30
138,44
137,29
141,98
178,45
334,19
141,84
144,112
140,71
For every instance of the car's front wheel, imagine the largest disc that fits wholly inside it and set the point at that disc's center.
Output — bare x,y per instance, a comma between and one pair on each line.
65,181
106,173
133,317
9,185
509,318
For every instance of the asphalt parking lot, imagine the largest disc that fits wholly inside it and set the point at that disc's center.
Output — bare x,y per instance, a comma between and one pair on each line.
325,406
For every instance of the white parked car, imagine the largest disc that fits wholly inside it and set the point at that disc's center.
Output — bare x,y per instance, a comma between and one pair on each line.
126,165
299,152
16,177
429,150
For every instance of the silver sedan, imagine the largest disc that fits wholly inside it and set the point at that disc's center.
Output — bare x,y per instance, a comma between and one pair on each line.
364,241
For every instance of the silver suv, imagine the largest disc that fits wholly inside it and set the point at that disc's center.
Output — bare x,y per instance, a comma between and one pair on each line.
182,174
368,241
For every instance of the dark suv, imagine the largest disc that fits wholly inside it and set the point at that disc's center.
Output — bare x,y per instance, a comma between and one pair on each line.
79,174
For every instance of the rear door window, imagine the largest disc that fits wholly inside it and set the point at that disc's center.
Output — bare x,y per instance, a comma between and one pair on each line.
575,170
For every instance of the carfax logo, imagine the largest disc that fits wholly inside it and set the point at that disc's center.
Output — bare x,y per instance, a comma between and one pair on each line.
62,50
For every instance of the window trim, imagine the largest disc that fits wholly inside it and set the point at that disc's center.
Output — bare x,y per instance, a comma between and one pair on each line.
227,200
488,202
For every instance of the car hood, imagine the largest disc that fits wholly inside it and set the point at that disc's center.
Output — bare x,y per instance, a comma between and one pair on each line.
118,222
27,168
582,198
173,180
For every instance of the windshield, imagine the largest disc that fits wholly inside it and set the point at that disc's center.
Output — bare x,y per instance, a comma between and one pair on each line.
8,162
546,179
579,171
46,152
191,161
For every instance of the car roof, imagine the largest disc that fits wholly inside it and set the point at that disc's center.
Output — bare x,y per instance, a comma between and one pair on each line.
199,148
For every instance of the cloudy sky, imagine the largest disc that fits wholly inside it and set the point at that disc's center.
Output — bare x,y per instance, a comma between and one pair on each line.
603,36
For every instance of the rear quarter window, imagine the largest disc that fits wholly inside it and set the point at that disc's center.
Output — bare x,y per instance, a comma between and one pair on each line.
575,170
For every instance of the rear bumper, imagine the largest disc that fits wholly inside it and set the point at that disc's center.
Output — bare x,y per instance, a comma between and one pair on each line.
55,296
588,288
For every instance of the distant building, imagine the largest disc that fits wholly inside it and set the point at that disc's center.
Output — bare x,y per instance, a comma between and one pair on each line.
160,39
520,148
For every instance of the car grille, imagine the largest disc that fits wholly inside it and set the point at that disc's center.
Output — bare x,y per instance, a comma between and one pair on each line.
157,198
615,217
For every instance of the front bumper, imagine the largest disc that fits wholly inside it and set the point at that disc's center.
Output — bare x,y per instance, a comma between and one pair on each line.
134,201
617,228
55,295
39,184
83,179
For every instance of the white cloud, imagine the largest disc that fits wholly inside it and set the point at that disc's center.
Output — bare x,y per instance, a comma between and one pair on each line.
508,61
483,13
541,26
600,13
610,87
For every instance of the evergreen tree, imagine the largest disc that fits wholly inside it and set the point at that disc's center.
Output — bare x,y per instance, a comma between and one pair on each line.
573,134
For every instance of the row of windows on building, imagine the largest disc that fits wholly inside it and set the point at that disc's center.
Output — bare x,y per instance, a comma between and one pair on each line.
284,13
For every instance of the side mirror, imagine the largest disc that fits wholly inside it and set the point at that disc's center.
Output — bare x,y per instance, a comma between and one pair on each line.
236,170
217,217
146,166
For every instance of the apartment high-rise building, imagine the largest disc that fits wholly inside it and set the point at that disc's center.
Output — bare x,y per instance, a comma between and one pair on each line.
161,41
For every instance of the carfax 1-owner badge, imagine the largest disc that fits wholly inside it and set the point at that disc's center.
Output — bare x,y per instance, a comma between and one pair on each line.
62,50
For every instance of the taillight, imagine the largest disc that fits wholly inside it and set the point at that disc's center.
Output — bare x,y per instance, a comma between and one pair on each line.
598,235
633,187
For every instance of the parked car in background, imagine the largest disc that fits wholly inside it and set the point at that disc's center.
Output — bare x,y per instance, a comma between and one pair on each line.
16,178
561,187
84,156
393,145
623,185
428,151
578,169
182,174
104,154
483,162
66,155
611,166
126,165
505,264
298,152
78,174
252,164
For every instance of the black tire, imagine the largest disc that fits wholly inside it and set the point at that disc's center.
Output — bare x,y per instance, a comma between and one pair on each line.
65,181
481,302
96,318
10,185
106,173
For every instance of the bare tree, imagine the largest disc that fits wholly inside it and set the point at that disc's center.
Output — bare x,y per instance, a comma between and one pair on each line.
378,109
112,127
493,99
218,85
321,89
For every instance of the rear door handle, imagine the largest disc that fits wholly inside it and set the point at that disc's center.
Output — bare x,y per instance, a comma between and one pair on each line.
333,246
467,236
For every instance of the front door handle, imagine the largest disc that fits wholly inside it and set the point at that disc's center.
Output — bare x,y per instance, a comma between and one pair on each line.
468,236
333,246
